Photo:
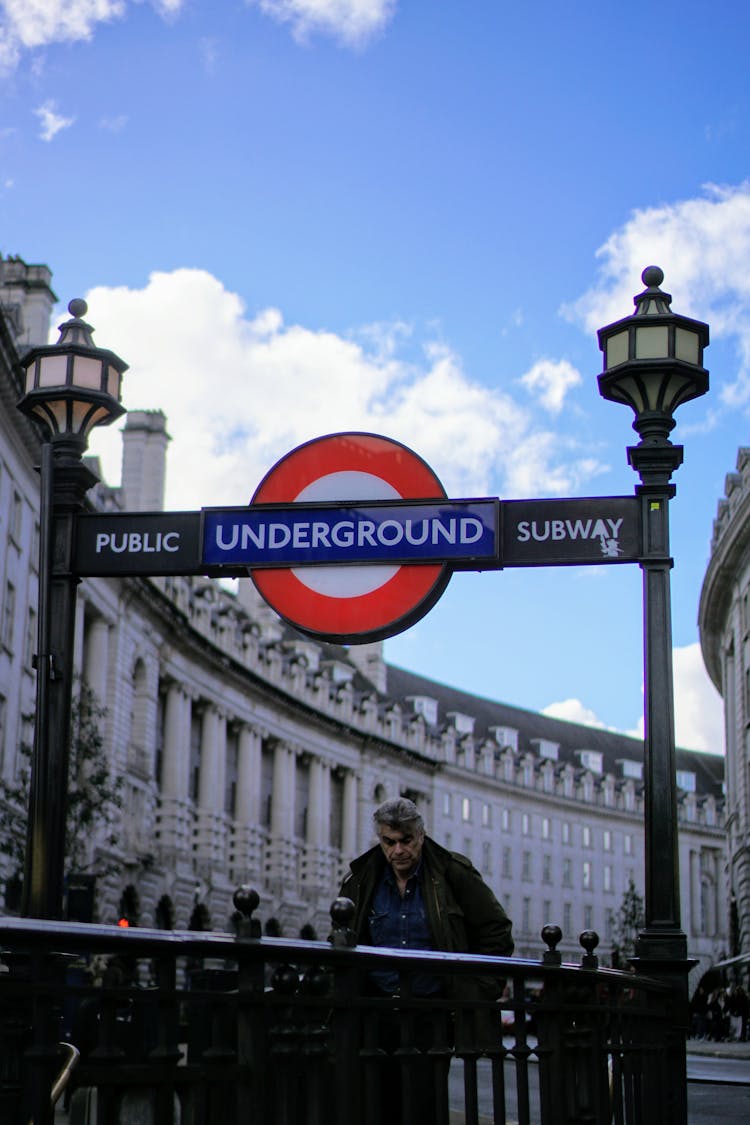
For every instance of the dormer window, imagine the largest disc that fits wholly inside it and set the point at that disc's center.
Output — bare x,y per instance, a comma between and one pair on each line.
425,706
686,780
545,748
505,736
463,724
590,760
339,672
631,768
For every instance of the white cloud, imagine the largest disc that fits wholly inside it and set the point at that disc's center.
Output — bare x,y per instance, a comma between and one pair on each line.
51,121
703,246
573,711
30,24
114,124
240,391
352,22
699,709
550,380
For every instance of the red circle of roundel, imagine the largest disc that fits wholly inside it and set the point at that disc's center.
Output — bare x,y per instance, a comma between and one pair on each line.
397,603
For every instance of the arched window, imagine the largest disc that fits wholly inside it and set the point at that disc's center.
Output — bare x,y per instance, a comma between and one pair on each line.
164,917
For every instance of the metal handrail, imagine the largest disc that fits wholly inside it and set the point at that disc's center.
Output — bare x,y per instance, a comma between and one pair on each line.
243,1027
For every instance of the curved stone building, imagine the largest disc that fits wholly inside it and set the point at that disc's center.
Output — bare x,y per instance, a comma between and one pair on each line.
251,754
724,620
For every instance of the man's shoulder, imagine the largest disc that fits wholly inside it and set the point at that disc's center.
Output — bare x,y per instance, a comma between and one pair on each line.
444,858
364,861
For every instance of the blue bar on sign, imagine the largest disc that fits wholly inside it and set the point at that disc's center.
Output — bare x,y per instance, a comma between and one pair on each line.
387,532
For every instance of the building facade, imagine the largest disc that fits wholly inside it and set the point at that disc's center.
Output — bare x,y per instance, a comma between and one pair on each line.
249,753
724,621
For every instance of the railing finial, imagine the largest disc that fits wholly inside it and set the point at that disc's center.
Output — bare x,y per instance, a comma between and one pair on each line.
551,936
342,936
589,940
246,900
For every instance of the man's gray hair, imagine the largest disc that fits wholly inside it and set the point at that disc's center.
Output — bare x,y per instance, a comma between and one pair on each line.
399,813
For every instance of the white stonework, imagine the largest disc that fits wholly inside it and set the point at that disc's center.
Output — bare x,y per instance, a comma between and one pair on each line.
251,754
724,620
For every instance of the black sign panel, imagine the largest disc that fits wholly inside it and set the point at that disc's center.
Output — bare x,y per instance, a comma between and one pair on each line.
573,532
128,543
570,532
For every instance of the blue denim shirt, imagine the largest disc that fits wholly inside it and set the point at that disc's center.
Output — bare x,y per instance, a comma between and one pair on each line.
401,923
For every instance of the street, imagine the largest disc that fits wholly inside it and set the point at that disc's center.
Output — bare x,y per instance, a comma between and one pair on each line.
718,1089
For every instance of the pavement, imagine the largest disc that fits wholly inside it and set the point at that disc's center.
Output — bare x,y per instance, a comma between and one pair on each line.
728,1049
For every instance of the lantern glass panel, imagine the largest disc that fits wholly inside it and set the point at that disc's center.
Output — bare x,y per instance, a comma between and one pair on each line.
617,349
652,343
87,372
53,370
113,382
687,346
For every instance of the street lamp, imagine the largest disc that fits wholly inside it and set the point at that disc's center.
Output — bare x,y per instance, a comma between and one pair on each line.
653,362
70,387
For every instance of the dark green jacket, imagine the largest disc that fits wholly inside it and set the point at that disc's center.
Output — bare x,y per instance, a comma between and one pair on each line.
463,914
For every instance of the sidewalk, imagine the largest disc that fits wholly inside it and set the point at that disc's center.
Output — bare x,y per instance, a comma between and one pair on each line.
729,1049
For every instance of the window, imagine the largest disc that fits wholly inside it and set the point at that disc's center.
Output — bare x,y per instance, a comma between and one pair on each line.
587,875
301,796
161,720
16,518
588,918
507,863
486,814
586,836
447,804
526,866
607,840
686,780
465,808
546,828
567,873
230,777
2,728
9,615
547,869
526,915
566,831
266,782
505,820
627,844
607,877
196,731
609,925
546,911
31,629
487,857
526,824
567,925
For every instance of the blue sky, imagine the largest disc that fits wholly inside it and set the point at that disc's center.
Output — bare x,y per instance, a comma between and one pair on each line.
409,216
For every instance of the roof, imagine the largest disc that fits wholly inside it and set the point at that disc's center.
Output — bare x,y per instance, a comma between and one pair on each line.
570,737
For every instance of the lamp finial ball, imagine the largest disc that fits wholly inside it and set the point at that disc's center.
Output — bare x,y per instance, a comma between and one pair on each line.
78,307
652,276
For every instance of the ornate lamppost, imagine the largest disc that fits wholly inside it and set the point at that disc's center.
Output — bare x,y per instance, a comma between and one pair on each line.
70,387
653,362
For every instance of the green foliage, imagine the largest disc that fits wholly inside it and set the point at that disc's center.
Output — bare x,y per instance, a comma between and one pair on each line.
629,922
93,794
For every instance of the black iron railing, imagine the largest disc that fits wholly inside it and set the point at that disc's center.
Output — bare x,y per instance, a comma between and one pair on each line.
212,1029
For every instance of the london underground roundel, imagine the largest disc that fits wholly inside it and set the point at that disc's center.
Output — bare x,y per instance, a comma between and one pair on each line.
359,603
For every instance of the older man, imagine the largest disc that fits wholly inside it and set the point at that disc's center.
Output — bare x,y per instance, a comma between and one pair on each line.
411,893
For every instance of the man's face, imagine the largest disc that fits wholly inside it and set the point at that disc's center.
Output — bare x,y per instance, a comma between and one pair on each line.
401,849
